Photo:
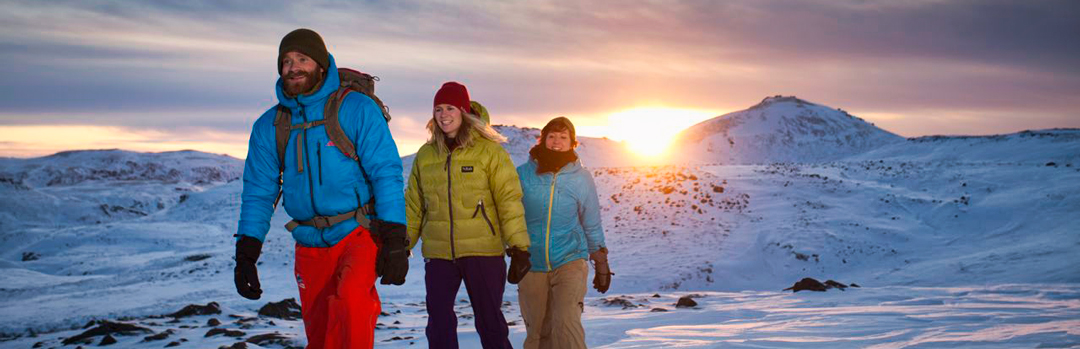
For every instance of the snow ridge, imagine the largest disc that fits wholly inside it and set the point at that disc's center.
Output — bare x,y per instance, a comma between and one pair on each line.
593,152
74,167
780,129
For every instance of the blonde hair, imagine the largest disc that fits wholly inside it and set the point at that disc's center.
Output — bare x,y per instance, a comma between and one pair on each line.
464,138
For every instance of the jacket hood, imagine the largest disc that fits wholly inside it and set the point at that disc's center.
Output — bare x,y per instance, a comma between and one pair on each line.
329,85
480,111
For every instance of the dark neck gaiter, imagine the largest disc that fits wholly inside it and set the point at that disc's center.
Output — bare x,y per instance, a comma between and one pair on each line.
548,160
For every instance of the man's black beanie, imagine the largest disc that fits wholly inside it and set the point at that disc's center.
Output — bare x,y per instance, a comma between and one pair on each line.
305,41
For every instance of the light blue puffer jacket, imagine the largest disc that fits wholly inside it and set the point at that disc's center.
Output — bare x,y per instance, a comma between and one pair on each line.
572,230
331,183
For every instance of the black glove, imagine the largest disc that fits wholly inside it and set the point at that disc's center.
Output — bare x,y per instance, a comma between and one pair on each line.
392,263
245,274
602,279
519,265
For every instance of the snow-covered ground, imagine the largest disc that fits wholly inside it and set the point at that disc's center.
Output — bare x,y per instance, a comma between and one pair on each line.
955,242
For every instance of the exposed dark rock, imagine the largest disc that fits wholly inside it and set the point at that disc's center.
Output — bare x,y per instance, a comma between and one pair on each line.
108,328
30,256
268,338
226,332
213,322
618,301
854,285
658,310
107,340
194,309
686,302
196,257
656,295
110,210
159,336
833,284
172,344
237,345
245,321
286,309
807,284
398,338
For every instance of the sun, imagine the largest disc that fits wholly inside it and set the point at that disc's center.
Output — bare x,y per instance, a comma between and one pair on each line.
650,131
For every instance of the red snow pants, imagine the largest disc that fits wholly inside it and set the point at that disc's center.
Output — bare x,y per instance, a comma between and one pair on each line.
337,292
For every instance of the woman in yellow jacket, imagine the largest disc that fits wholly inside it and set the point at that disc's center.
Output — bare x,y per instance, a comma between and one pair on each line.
464,202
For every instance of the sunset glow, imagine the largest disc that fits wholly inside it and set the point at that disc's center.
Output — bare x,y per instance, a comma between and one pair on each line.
650,131
41,140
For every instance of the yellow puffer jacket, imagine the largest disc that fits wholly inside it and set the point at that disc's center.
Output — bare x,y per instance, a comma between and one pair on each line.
466,203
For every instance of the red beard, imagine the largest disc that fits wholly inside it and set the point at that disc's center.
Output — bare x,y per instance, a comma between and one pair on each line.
303,87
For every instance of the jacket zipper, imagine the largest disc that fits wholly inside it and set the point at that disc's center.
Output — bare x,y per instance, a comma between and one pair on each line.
551,202
480,209
450,205
311,182
318,153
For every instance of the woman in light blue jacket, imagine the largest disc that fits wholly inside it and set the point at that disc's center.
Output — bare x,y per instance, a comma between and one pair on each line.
562,213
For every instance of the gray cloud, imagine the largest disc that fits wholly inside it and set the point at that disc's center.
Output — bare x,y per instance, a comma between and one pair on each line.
116,59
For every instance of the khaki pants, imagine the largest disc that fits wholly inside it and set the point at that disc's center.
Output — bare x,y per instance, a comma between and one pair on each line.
551,304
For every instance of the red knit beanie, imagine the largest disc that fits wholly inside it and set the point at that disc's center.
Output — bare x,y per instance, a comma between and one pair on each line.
454,94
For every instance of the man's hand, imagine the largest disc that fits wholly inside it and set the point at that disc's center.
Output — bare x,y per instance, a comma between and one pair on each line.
246,275
392,263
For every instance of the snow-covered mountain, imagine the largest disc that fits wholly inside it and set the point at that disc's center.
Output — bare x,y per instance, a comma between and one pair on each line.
779,129
74,167
593,152
1037,147
956,241
96,186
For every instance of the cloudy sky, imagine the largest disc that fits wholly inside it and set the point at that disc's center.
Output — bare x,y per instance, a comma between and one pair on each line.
169,75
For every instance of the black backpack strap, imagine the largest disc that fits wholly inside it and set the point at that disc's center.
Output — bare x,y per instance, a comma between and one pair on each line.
282,128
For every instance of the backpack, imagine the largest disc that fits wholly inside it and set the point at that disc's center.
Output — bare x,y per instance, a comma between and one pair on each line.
351,81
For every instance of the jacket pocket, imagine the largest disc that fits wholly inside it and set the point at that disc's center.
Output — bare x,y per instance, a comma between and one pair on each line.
482,211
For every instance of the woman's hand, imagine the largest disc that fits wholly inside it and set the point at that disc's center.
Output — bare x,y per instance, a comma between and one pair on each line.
519,264
602,280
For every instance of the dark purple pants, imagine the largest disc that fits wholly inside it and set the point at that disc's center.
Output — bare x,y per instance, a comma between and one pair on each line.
485,280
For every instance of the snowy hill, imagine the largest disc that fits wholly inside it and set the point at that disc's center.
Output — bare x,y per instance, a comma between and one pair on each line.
779,129
594,152
74,167
956,241
95,186
1030,147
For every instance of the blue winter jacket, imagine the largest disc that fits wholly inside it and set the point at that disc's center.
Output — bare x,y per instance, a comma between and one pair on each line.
331,183
571,229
